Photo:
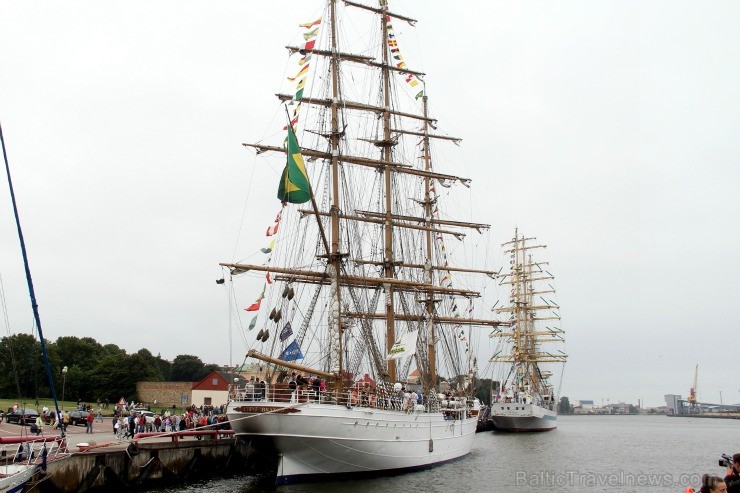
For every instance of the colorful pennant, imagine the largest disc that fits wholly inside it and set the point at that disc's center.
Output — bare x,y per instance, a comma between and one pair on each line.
269,248
410,79
310,37
292,352
286,332
309,25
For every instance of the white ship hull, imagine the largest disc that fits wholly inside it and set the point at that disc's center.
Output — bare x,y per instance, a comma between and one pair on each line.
15,476
512,416
314,440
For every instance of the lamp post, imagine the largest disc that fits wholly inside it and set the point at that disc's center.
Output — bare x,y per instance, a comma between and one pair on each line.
64,383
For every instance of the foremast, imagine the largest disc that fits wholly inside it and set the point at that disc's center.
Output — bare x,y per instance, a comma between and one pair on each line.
429,302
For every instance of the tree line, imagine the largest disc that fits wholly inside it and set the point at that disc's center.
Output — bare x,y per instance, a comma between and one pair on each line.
94,371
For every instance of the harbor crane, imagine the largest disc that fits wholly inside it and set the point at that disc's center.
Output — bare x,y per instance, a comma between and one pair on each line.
693,390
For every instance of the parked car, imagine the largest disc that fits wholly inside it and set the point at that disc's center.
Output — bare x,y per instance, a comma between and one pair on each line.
78,418
148,415
21,416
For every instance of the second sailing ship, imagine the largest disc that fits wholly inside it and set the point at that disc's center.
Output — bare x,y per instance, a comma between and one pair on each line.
526,399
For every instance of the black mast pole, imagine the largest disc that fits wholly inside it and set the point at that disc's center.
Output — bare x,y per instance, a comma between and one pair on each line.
31,291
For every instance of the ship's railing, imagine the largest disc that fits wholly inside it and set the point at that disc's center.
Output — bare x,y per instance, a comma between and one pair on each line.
361,397
199,434
30,451
549,403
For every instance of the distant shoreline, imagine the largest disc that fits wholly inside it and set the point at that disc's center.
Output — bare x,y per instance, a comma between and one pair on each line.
711,416
708,416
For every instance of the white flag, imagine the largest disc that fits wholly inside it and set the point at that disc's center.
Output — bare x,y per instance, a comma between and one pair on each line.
404,346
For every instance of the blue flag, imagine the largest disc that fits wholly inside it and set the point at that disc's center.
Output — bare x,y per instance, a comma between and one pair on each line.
292,352
286,332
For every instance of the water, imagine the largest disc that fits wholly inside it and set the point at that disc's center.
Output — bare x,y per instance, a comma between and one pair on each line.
585,453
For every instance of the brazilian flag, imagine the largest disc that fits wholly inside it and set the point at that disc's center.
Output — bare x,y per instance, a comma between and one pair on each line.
294,186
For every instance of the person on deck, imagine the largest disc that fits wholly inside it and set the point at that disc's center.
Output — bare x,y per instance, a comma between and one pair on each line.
263,389
316,384
249,389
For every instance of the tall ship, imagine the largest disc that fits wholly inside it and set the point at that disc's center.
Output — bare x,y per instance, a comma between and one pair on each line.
359,332
528,354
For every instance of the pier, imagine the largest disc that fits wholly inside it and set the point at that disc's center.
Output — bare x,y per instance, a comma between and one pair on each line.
99,462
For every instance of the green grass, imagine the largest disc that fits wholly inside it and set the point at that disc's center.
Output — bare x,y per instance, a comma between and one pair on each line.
5,404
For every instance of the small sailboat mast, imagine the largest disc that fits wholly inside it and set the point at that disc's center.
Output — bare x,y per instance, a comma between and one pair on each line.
29,280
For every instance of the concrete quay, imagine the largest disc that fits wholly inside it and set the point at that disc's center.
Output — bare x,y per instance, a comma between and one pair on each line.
111,465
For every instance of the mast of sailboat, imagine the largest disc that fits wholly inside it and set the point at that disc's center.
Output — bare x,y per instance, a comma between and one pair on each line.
386,144
432,376
518,299
31,291
335,307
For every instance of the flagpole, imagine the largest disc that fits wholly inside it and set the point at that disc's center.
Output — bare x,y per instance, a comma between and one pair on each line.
313,199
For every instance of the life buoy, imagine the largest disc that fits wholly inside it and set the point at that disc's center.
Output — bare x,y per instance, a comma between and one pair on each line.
353,397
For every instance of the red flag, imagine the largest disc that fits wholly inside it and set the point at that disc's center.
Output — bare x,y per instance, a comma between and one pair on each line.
269,281
271,230
254,306
293,123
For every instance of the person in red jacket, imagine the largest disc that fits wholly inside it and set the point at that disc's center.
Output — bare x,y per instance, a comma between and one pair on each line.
90,419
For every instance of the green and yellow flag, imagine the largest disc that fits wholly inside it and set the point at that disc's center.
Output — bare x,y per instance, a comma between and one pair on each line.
294,186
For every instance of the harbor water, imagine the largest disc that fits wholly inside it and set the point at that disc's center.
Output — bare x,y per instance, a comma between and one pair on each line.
585,453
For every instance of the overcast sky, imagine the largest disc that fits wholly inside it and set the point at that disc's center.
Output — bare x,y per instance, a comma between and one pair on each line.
609,130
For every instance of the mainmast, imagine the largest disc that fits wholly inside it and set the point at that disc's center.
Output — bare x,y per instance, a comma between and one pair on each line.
386,143
335,256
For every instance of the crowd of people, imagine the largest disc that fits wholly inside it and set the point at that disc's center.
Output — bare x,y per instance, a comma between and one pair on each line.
298,387
136,421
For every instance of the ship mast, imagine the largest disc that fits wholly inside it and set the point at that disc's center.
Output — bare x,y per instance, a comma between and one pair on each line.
429,302
335,256
386,143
